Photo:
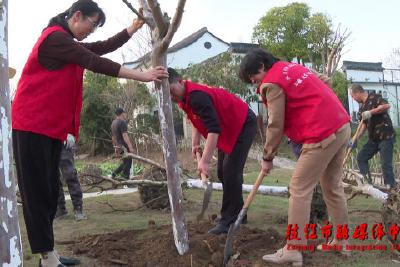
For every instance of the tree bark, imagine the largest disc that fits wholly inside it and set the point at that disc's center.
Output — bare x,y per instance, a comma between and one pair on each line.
162,33
10,239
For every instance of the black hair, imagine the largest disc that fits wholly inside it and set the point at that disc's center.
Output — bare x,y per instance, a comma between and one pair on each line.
119,111
88,8
356,88
253,61
174,76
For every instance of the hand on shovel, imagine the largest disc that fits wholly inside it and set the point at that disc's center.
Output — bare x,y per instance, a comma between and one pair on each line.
206,184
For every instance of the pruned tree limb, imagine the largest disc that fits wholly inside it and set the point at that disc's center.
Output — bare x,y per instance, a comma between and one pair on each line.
134,10
159,19
176,21
145,160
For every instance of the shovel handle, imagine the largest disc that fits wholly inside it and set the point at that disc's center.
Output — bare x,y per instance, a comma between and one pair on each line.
203,176
254,190
352,140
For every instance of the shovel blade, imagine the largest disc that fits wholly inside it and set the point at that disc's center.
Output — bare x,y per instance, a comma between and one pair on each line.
228,251
206,199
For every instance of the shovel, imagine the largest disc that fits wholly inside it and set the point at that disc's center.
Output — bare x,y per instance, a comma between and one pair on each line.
352,140
228,251
207,185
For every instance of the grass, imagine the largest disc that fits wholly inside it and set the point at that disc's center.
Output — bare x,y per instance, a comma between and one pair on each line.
265,212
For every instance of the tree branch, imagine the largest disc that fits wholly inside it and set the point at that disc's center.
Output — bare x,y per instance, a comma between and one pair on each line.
148,161
158,17
129,5
176,21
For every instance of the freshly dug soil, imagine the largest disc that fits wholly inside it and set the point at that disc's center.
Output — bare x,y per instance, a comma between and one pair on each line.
155,247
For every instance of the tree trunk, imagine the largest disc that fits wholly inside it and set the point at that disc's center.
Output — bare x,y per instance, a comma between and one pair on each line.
10,240
159,58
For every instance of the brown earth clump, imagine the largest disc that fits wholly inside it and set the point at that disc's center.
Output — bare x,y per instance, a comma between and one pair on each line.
155,247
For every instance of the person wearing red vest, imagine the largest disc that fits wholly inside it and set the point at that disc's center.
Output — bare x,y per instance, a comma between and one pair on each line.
303,107
227,123
47,107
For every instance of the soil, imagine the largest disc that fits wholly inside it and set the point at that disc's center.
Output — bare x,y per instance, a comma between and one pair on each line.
155,247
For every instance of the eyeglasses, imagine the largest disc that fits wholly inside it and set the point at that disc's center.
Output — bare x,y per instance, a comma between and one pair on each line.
93,23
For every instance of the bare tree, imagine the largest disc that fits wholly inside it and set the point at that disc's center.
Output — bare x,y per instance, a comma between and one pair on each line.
162,31
393,61
10,239
332,53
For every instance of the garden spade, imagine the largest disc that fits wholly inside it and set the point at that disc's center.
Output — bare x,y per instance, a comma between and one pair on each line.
228,251
349,150
207,185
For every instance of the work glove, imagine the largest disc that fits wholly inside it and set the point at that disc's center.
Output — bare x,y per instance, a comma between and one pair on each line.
366,115
69,142
352,144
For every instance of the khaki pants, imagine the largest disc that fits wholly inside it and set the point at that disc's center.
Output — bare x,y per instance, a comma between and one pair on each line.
321,161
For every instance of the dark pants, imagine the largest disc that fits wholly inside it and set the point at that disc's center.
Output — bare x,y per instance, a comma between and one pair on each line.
230,171
69,176
385,149
125,168
37,157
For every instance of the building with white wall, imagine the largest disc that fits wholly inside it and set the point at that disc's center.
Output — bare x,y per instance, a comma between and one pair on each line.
194,49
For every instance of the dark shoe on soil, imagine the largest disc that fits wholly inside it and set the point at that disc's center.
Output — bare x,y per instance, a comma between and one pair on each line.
244,221
60,213
40,264
79,214
219,229
69,261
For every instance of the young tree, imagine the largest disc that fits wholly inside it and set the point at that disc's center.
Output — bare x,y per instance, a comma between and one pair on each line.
162,32
10,239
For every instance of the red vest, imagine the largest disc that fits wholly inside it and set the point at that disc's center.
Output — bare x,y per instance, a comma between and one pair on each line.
231,112
48,102
313,111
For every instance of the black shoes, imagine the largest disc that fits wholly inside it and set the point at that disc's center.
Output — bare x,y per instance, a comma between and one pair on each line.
65,262
219,229
69,261
60,213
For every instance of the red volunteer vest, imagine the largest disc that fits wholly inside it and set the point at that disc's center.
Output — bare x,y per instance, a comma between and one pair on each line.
48,102
313,111
231,112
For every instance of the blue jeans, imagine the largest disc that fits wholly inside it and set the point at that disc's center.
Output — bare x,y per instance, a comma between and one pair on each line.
385,149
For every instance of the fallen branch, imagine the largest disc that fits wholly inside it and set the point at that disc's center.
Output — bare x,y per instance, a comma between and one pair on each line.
131,210
142,159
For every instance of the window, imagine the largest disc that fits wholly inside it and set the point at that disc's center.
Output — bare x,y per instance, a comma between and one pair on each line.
207,45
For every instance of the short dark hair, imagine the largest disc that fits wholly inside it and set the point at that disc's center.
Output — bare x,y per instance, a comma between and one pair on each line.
253,61
174,76
356,88
86,7
119,111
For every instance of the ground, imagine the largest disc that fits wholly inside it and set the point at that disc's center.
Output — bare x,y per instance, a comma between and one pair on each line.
120,232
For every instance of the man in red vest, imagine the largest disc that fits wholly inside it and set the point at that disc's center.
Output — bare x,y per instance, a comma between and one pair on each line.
304,108
228,124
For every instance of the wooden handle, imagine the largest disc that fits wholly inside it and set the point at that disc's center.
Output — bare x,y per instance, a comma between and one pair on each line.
204,177
254,190
352,141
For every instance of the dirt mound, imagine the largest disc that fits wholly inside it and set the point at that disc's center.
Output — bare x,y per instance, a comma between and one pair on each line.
155,247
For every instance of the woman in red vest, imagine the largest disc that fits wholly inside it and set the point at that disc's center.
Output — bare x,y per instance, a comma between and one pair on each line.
228,124
47,107
304,108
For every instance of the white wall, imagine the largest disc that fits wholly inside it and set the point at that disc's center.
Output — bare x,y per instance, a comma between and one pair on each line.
364,76
196,52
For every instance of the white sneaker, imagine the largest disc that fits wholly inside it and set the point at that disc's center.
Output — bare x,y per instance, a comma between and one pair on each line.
283,255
